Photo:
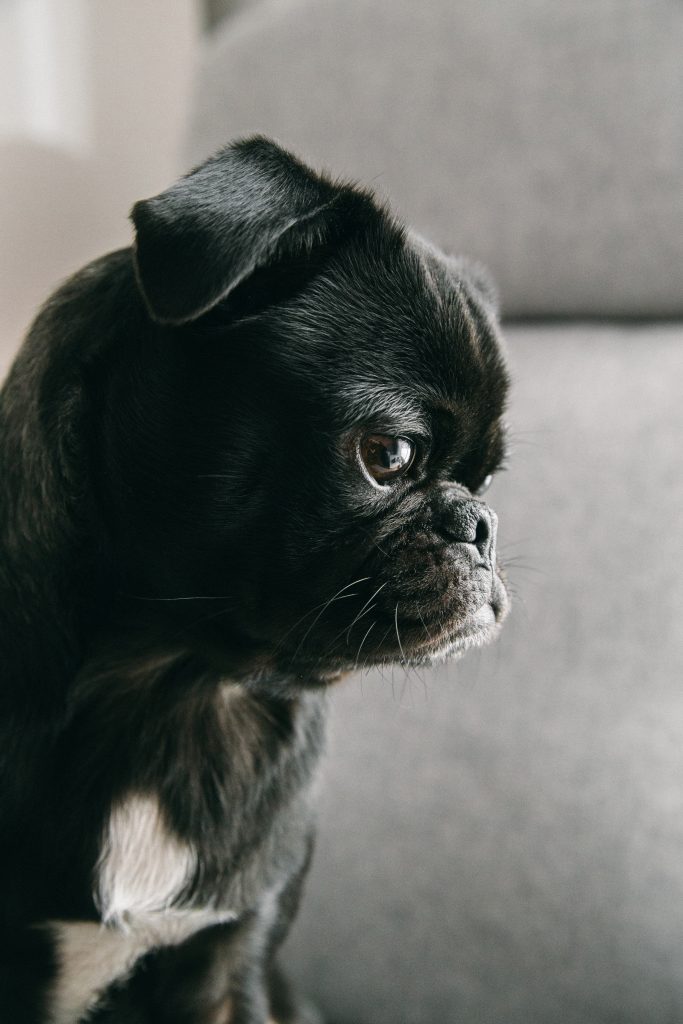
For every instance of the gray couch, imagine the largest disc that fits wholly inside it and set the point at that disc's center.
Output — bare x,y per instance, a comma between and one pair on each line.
501,839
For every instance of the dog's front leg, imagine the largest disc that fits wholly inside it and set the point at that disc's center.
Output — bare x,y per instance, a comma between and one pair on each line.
190,983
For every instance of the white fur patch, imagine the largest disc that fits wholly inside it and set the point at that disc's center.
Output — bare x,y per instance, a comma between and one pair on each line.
143,868
142,871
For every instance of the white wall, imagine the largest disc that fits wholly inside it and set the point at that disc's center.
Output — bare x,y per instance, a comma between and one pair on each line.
93,102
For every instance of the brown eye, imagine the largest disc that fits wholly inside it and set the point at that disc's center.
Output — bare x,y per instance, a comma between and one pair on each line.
386,457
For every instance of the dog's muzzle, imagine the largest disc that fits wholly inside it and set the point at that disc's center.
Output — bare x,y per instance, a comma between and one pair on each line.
468,521
444,586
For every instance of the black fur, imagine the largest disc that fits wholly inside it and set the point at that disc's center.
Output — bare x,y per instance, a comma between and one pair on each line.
183,506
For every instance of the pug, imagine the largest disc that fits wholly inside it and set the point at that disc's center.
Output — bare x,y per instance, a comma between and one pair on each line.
238,460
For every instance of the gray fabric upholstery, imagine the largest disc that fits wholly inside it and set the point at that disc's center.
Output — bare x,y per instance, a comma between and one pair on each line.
502,840
544,137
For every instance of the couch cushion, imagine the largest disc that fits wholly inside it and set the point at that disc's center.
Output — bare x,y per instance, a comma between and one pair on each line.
544,138
501,838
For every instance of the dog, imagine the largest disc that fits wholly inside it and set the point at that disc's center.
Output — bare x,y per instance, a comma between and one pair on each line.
235,459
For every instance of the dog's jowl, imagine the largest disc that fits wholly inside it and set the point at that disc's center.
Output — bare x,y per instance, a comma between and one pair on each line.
237,460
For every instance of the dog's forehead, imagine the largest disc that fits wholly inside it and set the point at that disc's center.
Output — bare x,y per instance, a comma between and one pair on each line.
415,334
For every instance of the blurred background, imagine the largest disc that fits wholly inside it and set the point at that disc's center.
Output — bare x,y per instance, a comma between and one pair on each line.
501,839
94,108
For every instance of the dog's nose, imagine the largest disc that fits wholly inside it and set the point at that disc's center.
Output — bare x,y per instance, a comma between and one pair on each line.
471,522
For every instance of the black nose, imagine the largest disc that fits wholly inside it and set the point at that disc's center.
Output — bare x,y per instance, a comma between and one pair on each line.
471,522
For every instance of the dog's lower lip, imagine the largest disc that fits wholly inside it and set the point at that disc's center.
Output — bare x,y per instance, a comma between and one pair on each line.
482,619
484,616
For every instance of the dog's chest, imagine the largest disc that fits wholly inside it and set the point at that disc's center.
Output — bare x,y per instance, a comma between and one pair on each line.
144,869
222,834
245,811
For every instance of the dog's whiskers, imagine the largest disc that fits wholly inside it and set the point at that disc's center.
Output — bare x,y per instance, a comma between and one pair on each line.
424,626
322,611
516,562
360,646
398,636
311,612
382,662
405,664
365,609
347,629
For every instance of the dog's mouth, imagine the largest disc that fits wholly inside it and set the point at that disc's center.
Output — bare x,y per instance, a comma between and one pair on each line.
439,599
434,619
454,639
410,634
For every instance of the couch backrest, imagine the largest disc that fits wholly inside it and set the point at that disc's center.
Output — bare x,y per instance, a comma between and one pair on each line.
544,137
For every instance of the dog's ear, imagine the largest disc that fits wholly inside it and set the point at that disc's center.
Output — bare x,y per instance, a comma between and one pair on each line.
250,204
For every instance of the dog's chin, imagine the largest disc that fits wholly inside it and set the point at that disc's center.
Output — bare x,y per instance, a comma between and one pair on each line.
447,637
430,631
477,630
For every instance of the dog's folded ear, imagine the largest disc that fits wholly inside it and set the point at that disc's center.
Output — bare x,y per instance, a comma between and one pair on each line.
247,206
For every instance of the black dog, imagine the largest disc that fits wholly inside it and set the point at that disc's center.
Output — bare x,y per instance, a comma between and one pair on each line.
234,460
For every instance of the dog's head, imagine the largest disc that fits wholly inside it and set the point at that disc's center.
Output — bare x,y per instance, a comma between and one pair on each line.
295,454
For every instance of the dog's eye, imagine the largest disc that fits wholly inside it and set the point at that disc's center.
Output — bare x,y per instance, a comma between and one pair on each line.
386,457
484,485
